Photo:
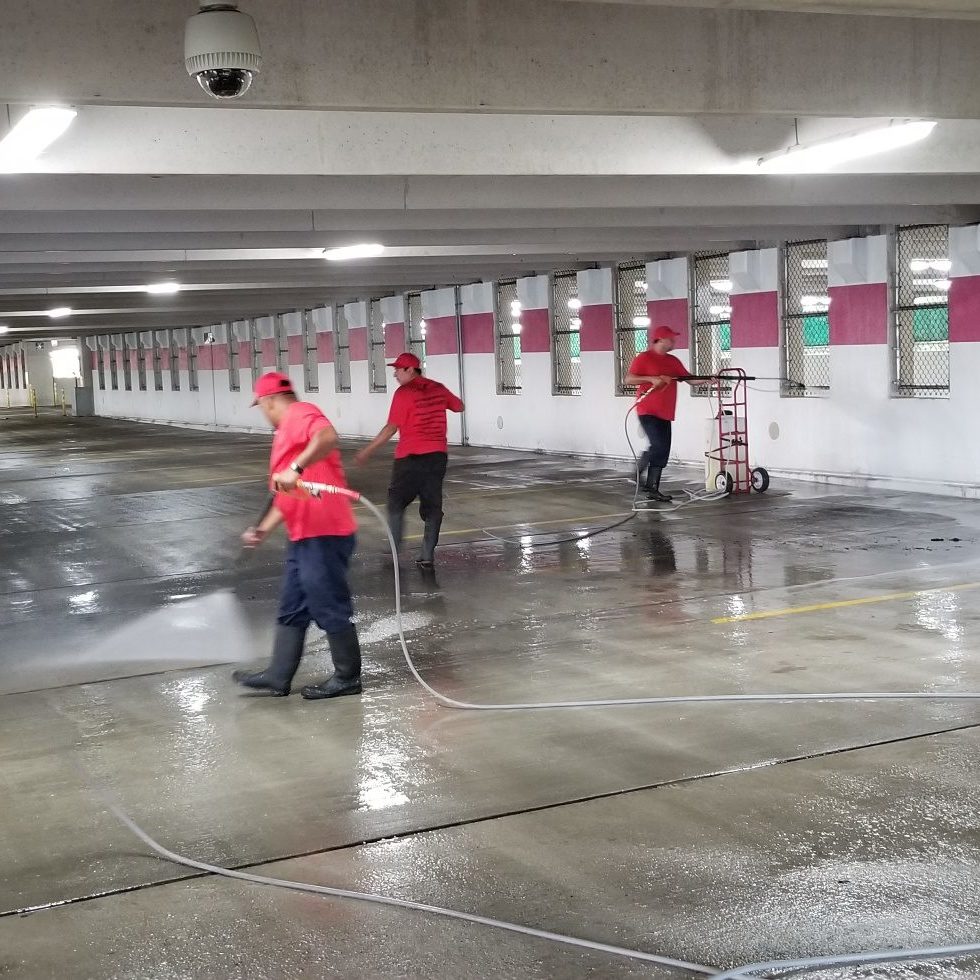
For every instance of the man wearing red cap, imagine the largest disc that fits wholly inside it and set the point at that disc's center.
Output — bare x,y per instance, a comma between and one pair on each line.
321,542
655,373
418,415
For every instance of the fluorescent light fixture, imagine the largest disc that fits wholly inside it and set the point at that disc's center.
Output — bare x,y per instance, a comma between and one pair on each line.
823,154
32,135
942,284
815,302
721,285
365,251
575,304
813,264
930,300
515,308
641,321
4,328
924,265
720,310
162,288
515,327
59,311
574,323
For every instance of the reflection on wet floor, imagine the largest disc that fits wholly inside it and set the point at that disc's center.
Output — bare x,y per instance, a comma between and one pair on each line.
110,527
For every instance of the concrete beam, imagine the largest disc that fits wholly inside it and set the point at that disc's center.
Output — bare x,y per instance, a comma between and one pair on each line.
508,56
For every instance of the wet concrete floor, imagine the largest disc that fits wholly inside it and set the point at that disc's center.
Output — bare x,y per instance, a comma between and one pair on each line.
714,833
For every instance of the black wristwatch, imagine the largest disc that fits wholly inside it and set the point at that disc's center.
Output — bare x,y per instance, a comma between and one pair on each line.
296,468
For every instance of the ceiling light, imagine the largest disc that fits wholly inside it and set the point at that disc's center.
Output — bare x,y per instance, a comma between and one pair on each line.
810,303
575,323
938,300
364,251
721,285
4,328
515,327
924,265
823,154
162,288
59,311
813,264
575,304
32,135
720,310
641,321
943,284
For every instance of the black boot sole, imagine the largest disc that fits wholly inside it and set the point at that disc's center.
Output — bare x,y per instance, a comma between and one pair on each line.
244,679
314,693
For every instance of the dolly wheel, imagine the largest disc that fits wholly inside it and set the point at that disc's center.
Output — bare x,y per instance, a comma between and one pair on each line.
760,480
724,481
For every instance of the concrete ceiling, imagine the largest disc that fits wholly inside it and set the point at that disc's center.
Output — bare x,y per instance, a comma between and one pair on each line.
236,202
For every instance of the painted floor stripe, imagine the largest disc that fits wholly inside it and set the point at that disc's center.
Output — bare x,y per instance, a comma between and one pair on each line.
866,600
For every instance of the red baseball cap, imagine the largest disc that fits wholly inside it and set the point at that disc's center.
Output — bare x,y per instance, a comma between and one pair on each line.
406,360
664,333
273,383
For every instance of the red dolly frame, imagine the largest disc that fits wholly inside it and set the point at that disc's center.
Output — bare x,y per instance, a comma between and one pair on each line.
732,449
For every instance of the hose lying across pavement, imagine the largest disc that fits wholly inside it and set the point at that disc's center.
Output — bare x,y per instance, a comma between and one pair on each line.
749,970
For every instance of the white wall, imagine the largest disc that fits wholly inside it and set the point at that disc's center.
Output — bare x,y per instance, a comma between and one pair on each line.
857,432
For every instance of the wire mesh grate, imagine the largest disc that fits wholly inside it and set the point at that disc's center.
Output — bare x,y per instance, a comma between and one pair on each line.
921,311
566,351
806,318
508,323
632,320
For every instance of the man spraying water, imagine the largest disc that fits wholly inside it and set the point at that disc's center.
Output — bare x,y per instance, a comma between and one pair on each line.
321,542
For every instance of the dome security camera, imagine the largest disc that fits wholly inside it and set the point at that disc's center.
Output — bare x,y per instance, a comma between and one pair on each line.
221,50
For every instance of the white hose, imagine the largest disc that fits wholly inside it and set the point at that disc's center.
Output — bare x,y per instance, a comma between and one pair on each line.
800,965
482,920
620,702
851,959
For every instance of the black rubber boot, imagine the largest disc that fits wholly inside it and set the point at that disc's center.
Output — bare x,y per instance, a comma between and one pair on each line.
345,651
641,465
430,538
396,523
277,677
653,486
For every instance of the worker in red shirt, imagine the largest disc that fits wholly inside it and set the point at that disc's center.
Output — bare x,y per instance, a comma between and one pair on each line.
418,415
321,541
655,373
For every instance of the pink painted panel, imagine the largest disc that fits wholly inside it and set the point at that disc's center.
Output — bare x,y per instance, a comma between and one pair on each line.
394,339
440,335
596,332
964,310
324,348
859,314
535,332
477,330
358,340
296,349
269,353
220,360
671,313
755,320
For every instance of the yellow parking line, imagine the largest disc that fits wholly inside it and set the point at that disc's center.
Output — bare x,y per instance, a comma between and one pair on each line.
866,600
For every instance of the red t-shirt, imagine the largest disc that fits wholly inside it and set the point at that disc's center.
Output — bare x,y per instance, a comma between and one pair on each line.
419,410
308,517
663,401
